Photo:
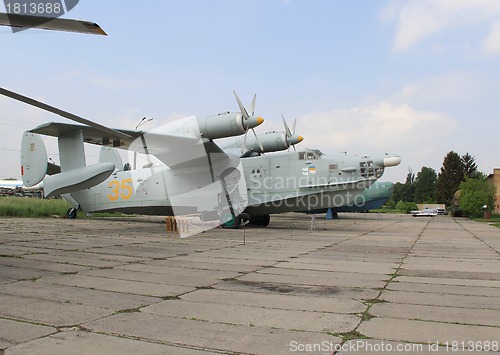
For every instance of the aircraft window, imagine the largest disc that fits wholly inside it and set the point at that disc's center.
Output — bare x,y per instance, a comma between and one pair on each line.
333,167
319,153
302,155
311,155
369,170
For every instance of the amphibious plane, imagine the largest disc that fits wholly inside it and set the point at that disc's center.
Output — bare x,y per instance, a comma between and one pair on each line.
198,177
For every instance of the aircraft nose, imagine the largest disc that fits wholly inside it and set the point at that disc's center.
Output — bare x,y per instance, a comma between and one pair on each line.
392,161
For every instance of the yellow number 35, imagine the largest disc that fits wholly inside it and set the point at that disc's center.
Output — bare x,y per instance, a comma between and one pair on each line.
117,189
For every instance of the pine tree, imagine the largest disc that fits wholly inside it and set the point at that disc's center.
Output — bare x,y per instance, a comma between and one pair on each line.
449,178
470,166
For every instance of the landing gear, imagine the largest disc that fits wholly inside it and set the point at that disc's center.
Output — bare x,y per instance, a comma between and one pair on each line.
71,213
260,221
235,222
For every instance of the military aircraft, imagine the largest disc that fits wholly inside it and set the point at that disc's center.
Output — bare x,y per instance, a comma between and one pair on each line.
197,176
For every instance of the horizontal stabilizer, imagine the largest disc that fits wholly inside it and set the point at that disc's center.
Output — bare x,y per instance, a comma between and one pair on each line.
91,135
77,179
54,24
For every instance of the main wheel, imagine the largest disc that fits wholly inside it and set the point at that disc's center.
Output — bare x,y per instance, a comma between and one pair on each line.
261,221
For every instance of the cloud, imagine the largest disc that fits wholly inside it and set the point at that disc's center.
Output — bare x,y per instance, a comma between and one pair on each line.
419,19
418,136
450,87
491,44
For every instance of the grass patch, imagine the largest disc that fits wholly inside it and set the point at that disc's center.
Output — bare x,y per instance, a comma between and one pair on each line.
352,335
11,206
494,220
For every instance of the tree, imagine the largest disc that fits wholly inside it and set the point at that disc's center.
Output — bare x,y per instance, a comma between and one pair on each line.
470,166
403,192
449,178
474,194
425,186
409,187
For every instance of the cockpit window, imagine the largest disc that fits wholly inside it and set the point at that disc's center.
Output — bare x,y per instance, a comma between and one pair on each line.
310,155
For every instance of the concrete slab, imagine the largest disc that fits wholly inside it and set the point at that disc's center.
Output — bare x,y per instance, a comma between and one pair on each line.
446,281
454,315
47,312
425,332
125,286
436,299
13,332
257,316
107,285
297,290
276,301
313,280
84,343
445,289
163,278
342,266
236,267
384,347
205,335
77,295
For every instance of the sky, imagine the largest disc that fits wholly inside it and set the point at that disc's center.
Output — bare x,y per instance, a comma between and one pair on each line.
417,78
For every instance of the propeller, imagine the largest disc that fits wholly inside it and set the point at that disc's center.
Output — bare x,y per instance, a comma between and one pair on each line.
291,138
249,121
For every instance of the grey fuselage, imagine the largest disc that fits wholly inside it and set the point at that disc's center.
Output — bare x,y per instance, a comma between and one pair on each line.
275,183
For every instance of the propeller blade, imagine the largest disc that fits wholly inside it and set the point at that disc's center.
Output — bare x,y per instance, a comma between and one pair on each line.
242,108
294,124
258,141
252,105
287,129
244,147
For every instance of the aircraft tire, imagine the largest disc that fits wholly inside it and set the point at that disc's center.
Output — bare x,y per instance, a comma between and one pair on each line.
260,221
234,223
71,213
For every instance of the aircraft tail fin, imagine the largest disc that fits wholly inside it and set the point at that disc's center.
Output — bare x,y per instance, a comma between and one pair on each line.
33,159
74,174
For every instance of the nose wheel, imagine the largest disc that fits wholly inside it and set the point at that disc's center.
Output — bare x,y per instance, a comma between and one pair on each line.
71,213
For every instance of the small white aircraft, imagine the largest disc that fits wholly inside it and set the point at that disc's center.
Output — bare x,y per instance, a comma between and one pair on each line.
17,185
9,184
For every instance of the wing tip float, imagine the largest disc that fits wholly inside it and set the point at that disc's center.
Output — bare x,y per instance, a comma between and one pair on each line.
53,24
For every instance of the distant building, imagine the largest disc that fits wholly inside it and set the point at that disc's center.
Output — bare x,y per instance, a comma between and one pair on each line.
495,179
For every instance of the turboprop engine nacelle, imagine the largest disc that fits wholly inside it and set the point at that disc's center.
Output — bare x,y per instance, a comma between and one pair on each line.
271,142
227,125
